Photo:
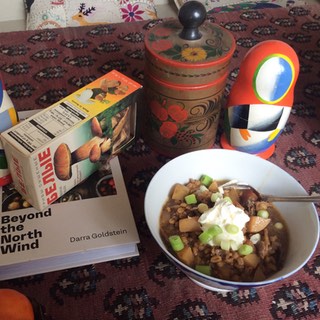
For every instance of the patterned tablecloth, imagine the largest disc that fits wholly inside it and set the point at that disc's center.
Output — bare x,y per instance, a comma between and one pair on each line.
41,67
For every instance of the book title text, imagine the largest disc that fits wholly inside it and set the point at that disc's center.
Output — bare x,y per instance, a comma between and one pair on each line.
14,237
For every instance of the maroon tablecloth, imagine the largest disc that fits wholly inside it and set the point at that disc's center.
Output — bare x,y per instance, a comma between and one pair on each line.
41,67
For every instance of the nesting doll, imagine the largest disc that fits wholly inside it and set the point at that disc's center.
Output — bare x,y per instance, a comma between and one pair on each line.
261,98
8,118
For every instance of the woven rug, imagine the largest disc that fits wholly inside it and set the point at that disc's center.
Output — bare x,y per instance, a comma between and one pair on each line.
230,5
42,66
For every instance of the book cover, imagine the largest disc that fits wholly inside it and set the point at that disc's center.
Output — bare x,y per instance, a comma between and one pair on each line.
91,223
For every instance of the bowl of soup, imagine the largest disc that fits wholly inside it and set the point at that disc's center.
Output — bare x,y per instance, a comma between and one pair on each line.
223,237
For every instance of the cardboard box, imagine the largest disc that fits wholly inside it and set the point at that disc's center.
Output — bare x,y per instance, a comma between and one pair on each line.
54,150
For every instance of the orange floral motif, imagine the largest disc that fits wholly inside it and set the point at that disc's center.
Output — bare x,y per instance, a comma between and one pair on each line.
169,121
159,112
162,32
168,129
177,113
161,45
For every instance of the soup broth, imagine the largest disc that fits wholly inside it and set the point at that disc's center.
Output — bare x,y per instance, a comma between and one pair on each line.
228,234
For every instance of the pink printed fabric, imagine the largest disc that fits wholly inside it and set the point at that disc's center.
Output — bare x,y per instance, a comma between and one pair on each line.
48,14
40,67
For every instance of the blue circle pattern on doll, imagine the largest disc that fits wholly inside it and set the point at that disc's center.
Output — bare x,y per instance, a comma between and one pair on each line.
273,78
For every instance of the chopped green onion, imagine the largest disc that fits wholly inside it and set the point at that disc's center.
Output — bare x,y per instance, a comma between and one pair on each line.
205,269
215,196
245,249
278,225
227,199
206,180
209,234
232,228
214,230
205,237
203,188
191,199
255,238
176,243
263,214
225,245
202,207
233,245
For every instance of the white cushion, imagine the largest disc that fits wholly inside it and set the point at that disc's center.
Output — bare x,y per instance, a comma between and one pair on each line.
43,14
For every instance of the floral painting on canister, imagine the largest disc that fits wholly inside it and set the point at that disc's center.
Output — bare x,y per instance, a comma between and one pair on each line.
185,82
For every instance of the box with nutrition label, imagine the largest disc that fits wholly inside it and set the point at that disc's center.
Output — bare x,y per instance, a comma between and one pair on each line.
60,146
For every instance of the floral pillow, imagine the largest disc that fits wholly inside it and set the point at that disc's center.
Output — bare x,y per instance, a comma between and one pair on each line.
43,14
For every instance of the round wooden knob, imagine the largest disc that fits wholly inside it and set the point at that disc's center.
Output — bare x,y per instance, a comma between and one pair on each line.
191,15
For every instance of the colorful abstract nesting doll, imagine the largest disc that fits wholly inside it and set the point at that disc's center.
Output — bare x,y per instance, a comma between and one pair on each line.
261,98
8,118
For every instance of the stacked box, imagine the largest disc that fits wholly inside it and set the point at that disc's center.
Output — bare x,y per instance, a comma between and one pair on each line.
57,148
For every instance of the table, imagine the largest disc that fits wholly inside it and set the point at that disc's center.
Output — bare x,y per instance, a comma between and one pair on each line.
40,67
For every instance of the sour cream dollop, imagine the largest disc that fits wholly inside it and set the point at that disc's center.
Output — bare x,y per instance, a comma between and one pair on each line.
224,213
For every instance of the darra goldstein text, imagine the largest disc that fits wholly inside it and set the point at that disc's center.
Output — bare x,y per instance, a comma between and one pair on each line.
15,237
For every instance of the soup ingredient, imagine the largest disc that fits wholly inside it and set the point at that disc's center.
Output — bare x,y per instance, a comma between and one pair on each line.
245,249
232,228
229,218
251,260
256,224
209,234
179,192
176,243
189,224
215,196
255,238
205,269
263,214
186,256
278,225
218,235
205,180
191,199
202,207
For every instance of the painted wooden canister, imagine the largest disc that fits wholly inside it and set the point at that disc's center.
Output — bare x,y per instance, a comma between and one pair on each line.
185,75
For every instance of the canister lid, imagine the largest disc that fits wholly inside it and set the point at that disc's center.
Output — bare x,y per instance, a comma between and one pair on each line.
188,44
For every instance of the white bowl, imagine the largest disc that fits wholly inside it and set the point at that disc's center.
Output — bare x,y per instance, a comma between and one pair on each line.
301,218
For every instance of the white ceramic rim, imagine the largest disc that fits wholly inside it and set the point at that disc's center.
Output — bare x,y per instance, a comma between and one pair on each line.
224,283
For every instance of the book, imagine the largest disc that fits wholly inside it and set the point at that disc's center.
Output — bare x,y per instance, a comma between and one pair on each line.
91,223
